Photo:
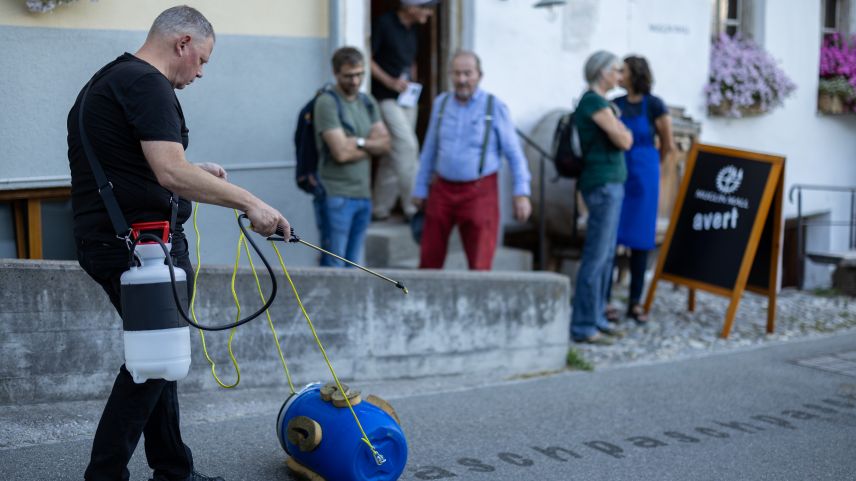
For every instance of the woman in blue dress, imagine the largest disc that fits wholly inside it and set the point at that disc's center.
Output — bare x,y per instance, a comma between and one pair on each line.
647,117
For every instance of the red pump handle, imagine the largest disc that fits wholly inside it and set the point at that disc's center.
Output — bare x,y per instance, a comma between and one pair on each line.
147,227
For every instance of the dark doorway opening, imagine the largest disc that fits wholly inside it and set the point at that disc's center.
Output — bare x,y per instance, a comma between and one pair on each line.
430,59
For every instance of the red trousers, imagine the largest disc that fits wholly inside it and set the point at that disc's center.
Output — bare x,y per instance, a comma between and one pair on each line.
474,208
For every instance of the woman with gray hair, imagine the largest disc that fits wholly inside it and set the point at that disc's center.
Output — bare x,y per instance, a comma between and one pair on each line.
603,139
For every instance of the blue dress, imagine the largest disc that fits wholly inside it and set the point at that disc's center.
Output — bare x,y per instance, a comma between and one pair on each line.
638,224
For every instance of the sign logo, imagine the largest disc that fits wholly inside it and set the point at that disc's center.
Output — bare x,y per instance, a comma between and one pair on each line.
729,179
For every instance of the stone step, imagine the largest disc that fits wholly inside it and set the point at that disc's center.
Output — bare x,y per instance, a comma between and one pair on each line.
505,259
391,244
833,258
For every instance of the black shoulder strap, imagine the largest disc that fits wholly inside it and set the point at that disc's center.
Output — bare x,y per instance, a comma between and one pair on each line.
173,216
488,126
105,188
439,122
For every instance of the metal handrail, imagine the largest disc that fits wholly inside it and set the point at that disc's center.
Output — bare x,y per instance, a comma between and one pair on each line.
827,188
851,224
542,222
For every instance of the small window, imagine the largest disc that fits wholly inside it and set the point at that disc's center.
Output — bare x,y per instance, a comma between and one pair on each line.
732,17
835,17
36,223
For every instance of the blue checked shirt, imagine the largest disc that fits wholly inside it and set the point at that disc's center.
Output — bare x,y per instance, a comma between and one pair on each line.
461,137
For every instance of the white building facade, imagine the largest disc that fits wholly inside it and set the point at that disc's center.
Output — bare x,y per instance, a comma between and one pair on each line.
533,59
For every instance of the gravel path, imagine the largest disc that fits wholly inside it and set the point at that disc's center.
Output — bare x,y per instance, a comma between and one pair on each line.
674,333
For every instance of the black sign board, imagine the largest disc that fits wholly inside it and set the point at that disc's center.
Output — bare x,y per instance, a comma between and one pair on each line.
724,235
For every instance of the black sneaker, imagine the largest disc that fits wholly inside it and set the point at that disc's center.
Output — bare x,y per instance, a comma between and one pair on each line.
194,476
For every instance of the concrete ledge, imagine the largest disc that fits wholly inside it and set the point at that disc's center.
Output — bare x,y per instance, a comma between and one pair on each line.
60,338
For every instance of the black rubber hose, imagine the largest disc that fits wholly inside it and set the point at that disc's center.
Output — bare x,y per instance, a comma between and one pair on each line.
175,288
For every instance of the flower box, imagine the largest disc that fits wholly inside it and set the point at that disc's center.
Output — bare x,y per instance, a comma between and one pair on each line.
836,91
727,109
830,104
744,79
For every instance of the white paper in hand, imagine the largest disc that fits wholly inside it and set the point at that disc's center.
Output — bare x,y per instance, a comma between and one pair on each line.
410,97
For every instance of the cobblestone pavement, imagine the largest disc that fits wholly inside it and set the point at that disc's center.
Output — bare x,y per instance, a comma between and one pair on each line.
674,333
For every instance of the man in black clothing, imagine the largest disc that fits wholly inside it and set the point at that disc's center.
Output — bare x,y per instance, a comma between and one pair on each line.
394,48
136,129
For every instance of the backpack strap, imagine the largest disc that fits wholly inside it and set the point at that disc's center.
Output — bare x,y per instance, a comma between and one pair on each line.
340,111
345,125
488,126
368,103
584,150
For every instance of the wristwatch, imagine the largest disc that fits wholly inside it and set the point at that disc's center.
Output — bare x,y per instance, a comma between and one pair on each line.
361,143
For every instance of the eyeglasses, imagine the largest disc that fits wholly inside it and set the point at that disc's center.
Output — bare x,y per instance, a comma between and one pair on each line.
354,75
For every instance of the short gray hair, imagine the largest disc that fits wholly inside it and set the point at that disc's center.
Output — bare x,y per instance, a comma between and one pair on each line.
467,53
181,20
346,56
597,63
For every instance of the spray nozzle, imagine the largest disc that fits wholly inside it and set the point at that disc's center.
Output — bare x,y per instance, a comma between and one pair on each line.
281,236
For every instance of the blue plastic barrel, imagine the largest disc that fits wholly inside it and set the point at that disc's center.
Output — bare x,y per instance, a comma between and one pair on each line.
342,455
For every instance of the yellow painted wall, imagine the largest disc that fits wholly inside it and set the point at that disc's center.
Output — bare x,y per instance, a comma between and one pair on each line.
279,18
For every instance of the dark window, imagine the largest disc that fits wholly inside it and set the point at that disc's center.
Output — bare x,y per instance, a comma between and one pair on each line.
8,246
830,15
733,9
729,16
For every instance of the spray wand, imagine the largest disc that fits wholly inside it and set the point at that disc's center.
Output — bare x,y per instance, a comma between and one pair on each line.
294,238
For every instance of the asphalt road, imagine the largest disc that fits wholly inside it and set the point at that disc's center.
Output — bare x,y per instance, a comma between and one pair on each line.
750,415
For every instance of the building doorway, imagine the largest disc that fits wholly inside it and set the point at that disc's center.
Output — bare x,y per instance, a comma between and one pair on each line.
431,57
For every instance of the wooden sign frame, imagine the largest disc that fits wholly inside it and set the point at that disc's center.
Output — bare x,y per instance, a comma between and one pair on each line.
770,204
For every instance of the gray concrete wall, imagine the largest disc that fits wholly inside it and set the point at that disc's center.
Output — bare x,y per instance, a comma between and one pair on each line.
241,114
61,339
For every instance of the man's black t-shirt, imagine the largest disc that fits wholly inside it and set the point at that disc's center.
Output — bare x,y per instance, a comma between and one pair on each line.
129,101
393,49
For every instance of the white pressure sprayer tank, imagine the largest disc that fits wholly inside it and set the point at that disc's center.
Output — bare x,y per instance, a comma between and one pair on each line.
157,339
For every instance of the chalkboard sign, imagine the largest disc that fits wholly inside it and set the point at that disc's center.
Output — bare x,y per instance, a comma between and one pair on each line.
724,236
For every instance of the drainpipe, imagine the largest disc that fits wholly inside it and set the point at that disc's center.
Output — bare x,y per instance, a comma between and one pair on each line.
336,28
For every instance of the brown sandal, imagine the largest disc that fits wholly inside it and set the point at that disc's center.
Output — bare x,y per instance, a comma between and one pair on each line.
612,314
638,314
